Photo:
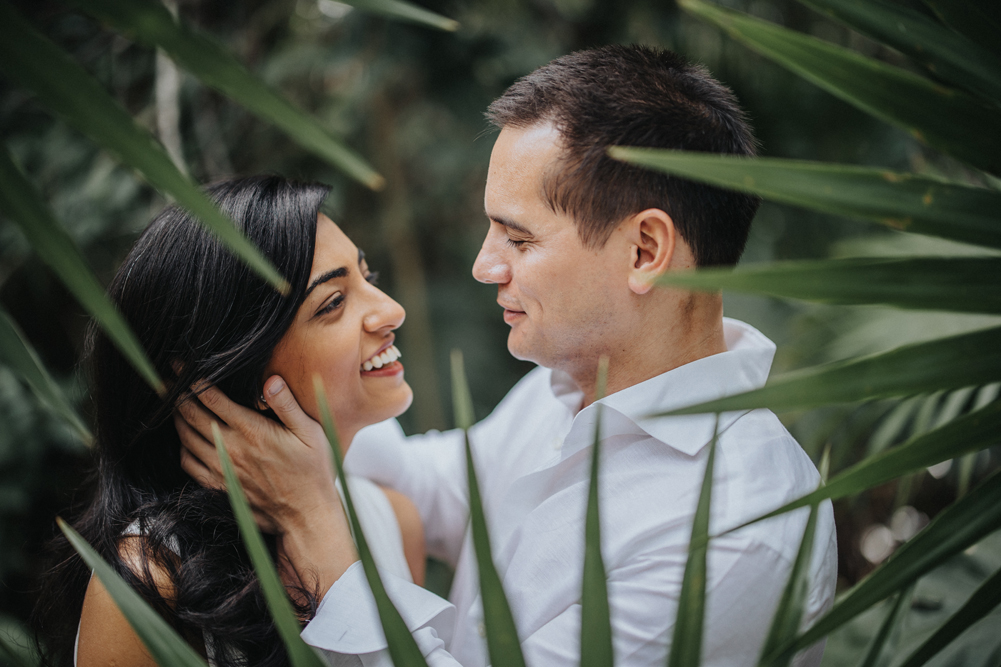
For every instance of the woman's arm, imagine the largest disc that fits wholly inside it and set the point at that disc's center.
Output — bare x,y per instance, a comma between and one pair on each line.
106,638
412,531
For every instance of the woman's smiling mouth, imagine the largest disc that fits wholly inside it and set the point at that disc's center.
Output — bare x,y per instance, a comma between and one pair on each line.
385,360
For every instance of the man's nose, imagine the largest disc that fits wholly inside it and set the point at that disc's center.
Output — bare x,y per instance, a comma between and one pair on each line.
491,265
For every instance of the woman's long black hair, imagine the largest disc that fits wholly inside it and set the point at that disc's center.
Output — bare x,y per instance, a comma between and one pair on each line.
195,308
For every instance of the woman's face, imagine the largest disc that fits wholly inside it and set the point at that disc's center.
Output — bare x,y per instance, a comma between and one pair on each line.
343,323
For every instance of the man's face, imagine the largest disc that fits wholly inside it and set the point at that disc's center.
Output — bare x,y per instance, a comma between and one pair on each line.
559,298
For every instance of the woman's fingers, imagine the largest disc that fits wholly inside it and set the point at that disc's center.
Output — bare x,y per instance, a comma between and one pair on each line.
284,405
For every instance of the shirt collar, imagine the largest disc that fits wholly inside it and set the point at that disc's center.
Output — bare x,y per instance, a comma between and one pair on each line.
744,366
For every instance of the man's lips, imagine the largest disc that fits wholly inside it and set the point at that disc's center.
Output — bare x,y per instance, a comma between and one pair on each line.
511,316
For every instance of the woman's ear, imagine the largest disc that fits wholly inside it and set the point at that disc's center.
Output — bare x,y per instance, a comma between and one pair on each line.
654,240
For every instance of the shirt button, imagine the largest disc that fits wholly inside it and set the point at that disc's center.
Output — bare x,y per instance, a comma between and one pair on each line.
481,630
557,443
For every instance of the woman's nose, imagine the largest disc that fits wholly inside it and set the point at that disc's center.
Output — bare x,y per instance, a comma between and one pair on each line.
385,313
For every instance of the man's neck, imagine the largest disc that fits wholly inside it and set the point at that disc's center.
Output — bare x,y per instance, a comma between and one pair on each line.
695,333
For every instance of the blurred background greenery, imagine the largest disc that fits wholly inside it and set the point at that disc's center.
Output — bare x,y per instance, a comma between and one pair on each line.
411,100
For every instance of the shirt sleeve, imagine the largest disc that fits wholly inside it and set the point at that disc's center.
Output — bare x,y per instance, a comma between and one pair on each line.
348,631
429,469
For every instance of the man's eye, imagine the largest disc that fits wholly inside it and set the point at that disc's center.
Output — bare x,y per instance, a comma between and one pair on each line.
372,277
334,304
515,243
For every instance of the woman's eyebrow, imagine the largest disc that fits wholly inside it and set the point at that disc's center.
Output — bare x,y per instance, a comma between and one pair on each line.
329,275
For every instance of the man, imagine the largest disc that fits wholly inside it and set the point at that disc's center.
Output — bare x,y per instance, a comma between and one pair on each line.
575,244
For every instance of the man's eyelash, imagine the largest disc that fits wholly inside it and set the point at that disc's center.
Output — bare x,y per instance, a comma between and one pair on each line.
514,243
373,277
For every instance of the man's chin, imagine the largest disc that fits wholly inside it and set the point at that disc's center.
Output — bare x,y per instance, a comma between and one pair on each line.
519,349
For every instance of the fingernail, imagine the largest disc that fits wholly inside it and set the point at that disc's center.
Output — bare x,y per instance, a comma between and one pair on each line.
276,387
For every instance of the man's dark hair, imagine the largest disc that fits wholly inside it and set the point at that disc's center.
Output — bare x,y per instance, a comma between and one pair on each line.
636,96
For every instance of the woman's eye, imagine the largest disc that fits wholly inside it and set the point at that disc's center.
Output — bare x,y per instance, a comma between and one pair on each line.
372,277
334,304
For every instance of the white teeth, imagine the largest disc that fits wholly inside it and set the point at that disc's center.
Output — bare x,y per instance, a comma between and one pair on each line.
388,356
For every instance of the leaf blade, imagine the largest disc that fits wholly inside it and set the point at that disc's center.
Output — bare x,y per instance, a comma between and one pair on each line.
162,641
982,602
403,648
970,433
968,284
503,644
150,23
406,11
933,114
25,208
300,654
35,63
17,353
789,614
595,618
942,52
907,202
956,528
944,363
686,642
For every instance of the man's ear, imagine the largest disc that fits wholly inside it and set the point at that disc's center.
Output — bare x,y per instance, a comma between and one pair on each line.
653,244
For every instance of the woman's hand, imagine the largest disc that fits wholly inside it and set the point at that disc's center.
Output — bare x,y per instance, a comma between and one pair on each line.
286,473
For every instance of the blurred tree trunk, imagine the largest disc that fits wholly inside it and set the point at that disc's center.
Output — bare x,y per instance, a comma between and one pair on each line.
168,103
408,265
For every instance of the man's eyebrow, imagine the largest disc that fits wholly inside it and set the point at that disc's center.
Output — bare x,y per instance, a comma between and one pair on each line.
510,224
329,275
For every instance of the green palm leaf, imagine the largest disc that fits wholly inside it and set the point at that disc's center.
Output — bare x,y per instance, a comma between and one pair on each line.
162,641
35,63
889,629
17,353
403,648
25,207
956,528
151,24
968,284
686,644
14,654
907,202
595,620
405,11
944,53
935,115
969,19
502,634
970,433
789,614
981,603
945,363
300,654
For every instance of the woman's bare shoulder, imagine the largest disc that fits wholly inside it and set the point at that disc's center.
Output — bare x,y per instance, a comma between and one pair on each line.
106,638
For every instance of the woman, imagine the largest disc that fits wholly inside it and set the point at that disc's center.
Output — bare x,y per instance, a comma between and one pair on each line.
202,315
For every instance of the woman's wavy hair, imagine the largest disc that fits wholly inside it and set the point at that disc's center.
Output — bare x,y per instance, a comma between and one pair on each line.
197,309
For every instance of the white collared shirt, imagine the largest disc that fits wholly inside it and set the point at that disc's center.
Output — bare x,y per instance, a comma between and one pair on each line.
532,458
